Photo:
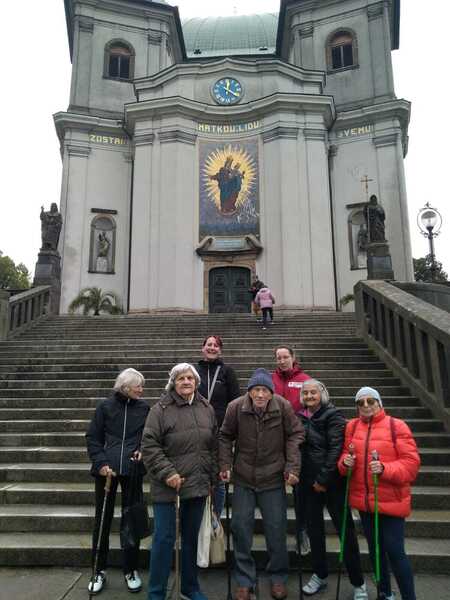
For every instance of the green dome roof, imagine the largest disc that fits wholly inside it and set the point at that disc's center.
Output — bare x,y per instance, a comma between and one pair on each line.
225,36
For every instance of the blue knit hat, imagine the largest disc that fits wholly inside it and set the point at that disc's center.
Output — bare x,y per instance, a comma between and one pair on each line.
368,391
261,377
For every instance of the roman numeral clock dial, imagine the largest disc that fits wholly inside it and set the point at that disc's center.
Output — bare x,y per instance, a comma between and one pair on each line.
227,91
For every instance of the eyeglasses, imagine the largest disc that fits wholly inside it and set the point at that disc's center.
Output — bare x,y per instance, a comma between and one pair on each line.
368,401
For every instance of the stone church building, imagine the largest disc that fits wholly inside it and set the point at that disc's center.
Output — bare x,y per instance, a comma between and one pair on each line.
199,153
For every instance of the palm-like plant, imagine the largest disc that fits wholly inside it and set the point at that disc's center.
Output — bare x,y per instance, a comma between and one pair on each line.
93,298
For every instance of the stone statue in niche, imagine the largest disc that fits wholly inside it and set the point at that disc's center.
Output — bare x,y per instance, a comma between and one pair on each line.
362,242
103,246
51,223
375,217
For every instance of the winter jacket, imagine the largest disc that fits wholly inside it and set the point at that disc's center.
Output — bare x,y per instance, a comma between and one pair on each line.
289,385
180,438
225,390
115,432
324,431
266,447
264,298
397,452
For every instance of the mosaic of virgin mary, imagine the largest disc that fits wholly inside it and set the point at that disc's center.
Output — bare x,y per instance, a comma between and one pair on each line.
229,188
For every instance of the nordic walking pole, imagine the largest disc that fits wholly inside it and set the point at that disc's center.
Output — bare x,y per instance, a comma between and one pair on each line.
351,449
376,527
100,533
228,561
298,542
177,546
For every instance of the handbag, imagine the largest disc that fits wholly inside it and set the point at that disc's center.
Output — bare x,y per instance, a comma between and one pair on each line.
135,523
217,542
204,536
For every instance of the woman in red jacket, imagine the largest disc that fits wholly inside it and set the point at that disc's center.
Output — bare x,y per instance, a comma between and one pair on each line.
288,380
378,444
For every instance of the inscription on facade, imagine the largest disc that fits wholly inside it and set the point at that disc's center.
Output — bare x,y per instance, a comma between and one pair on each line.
355,131
107,139
227,128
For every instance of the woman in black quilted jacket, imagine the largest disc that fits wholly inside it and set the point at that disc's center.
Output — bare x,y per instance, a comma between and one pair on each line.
113,440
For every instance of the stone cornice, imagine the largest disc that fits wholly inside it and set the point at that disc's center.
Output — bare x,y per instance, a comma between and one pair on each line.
177,135
79,150
374,11
177,105
86,123
375,113
86,25
386,139
281,132
237,66
144,139
315,134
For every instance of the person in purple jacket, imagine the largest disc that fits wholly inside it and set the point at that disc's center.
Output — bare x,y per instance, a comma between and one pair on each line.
264,298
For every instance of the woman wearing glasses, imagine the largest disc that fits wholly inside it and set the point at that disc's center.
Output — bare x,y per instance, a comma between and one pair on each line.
376,444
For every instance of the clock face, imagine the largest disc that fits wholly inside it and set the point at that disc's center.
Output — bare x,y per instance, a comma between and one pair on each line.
227,91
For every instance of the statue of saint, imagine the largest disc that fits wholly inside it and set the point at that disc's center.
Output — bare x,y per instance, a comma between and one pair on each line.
375,216
51,223
103,245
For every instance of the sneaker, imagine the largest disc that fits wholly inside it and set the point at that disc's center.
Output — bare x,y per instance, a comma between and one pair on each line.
360,593
133,581
314,585
264,328
384,597
96,586
305,546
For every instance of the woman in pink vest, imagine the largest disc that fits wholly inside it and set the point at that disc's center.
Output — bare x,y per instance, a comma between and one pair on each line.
264,298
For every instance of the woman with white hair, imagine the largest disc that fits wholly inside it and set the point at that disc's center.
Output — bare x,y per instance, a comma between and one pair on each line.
113,440
179,448
323,487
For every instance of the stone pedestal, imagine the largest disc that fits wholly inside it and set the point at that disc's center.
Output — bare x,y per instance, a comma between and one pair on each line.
48,272
379,262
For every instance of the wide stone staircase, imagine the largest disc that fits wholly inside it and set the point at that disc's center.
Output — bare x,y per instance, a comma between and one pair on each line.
53,375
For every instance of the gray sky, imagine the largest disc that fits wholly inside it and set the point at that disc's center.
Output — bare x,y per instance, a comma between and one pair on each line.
37,85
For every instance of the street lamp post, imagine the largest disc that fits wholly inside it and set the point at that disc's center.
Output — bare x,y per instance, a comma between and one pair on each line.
429,221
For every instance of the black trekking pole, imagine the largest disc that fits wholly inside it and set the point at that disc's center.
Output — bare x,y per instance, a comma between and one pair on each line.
298,543
177,547
100,535
228,558
344,525
376,529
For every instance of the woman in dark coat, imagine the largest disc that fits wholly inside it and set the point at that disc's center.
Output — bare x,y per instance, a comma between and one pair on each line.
219,385
324,428
179,449
113,440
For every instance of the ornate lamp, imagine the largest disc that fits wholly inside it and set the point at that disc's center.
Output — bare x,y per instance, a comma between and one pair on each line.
429,221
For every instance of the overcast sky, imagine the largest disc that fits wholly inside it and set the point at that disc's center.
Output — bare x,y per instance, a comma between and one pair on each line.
36,84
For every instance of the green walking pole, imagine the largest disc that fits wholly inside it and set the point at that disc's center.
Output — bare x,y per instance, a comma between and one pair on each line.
376,527
351,450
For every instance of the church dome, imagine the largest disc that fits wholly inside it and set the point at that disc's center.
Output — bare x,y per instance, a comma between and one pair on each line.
227,36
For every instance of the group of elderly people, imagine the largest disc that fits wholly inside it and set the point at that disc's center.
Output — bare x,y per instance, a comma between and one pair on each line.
284,431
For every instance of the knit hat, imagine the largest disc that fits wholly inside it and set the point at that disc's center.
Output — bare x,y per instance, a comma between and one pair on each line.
368,391
261,377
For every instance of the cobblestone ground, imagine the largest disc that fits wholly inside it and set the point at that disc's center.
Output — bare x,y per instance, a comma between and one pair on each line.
71,584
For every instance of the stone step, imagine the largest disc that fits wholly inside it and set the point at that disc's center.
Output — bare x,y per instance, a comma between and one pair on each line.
427,555
76,518
79,494
53,414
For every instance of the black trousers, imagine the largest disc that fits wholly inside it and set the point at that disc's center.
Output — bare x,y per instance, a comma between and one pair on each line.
267,312
333,499
130,554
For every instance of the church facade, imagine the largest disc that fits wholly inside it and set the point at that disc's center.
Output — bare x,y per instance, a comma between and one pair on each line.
198,154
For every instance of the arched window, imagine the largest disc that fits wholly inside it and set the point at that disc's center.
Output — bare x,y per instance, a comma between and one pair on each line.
119,61
342,51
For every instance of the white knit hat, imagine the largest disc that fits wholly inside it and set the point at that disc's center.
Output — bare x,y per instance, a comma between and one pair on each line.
368,391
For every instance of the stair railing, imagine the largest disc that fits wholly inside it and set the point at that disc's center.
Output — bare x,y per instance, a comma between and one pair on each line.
412,337
23,310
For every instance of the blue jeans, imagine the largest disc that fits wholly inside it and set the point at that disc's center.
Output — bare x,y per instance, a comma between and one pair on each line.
273,506
392,552
191,512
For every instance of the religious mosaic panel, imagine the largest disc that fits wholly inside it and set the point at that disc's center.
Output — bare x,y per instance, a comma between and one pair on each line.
229,188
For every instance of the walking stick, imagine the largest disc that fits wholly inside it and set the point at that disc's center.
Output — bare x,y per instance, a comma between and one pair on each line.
351,449
100,534
298,541
177,547
228,560
376,527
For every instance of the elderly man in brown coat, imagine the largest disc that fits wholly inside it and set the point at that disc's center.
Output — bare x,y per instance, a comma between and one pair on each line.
266,435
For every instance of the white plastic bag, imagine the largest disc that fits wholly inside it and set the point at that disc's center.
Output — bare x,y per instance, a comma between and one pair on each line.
217,548
204,536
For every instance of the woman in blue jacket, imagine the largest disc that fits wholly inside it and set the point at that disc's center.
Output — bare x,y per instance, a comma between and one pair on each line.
113,440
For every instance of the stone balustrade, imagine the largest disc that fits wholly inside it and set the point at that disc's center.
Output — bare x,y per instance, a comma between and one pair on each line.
411,336
21,311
